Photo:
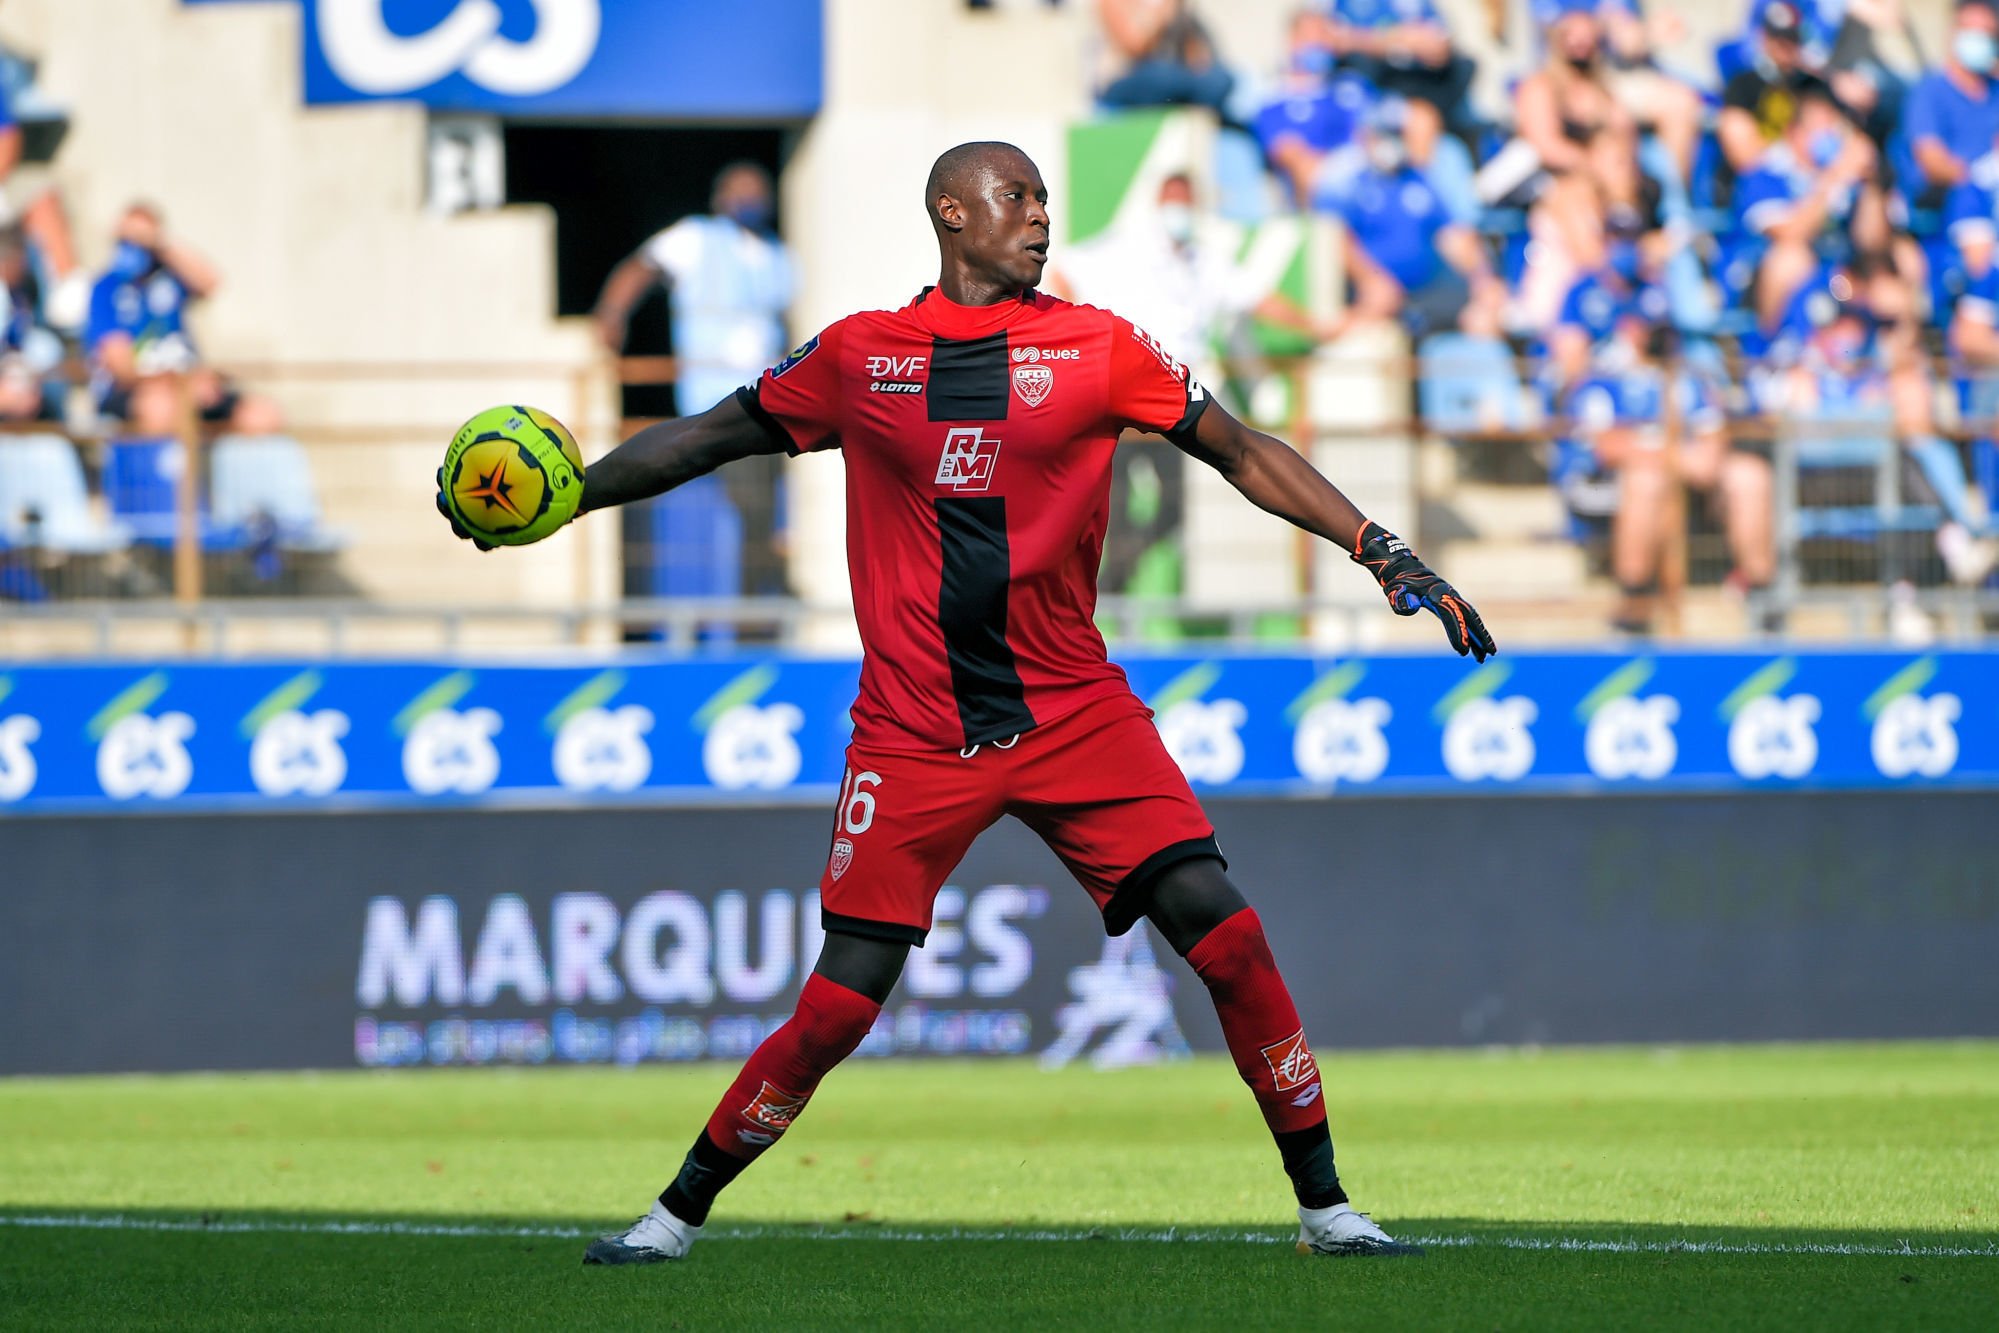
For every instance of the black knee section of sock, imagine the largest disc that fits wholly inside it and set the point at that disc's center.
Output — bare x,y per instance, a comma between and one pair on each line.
705,1173
1308,1160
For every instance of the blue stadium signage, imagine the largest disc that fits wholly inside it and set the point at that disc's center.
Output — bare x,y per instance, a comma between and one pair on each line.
641,58
121,737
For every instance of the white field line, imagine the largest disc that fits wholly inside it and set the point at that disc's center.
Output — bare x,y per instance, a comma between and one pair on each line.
1168,1235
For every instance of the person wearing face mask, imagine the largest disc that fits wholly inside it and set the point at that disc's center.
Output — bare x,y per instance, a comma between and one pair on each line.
137,328
1407,257
1801,207
1952,115
1404,49
1315,110
729,281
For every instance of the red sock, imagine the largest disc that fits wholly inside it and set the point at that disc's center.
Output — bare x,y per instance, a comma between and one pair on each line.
780,1075
1260,1023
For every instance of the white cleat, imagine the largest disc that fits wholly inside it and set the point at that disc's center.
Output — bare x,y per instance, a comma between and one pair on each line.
1341,1230
654,1238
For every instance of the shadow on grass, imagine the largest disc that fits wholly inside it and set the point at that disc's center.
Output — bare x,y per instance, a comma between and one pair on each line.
1442,1233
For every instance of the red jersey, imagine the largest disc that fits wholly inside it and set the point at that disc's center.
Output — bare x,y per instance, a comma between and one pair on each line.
978,442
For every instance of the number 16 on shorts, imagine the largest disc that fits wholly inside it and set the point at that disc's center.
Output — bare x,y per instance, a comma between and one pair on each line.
855,816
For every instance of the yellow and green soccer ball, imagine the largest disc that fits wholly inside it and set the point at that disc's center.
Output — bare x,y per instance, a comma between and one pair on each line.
513,475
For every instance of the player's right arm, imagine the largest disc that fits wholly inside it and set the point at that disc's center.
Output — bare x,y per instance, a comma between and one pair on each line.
793,408
667,454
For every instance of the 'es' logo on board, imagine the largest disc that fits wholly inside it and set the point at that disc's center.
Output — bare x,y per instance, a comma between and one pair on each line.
1032,383
968,459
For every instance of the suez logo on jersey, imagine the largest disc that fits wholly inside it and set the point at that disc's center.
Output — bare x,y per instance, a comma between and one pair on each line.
1033,378
896,374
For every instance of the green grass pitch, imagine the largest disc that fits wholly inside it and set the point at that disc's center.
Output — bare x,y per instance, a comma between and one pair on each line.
1712,1188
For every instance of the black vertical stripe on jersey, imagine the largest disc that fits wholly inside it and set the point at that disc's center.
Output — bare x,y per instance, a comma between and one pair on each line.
971,610
968,380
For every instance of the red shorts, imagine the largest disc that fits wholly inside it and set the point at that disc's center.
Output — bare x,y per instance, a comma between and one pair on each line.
1097,785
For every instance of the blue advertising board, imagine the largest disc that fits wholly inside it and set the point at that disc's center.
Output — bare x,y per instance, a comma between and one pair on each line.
753,59
763,728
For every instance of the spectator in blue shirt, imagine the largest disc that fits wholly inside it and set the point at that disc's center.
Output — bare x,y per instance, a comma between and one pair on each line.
1801,205
137,331
29,199
1406,256
1620,288
1403,47
1653,427
1315,111
1952,115
1971,214
28,352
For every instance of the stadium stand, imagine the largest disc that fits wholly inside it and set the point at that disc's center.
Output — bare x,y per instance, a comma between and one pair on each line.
1459,206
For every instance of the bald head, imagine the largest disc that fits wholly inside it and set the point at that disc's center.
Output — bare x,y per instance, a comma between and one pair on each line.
990,211
969,169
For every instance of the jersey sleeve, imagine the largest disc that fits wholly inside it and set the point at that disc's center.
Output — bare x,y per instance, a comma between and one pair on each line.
1149,390
798,400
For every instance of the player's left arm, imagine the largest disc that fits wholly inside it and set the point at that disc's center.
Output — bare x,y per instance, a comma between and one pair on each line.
1278,480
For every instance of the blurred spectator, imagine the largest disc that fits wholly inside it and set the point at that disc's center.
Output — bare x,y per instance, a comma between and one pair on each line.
28,198
1172,272
1761,100
1403,48
1162,56
1314,111
1801,206
1660,102
1652,425
137,336
28,352
1865,367
1952,115
1406,256
1622,287
729,280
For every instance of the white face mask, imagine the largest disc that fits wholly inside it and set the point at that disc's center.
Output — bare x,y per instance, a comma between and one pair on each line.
1177,221
1386,153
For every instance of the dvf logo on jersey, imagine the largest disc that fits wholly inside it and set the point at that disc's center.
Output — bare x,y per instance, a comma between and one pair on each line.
1032,383
968,460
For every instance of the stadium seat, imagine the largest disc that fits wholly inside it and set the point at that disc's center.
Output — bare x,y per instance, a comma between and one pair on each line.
258,478
1856,441
1468,385
139,480
45,500
1243,190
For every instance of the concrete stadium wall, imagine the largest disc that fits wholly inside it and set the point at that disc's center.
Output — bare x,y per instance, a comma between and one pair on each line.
606,936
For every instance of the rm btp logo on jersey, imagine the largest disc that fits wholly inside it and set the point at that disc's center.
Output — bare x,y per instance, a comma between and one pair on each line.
968,460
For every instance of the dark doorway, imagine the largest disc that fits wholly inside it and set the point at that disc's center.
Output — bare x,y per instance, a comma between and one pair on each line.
612,188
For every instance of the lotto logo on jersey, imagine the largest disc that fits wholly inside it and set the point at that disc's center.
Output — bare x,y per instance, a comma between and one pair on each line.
774,1108
1291,1063
968,460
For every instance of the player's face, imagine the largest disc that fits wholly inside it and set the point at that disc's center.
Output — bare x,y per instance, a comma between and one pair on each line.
1006,223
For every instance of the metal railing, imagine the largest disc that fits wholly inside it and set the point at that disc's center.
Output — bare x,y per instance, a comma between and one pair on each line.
180,594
